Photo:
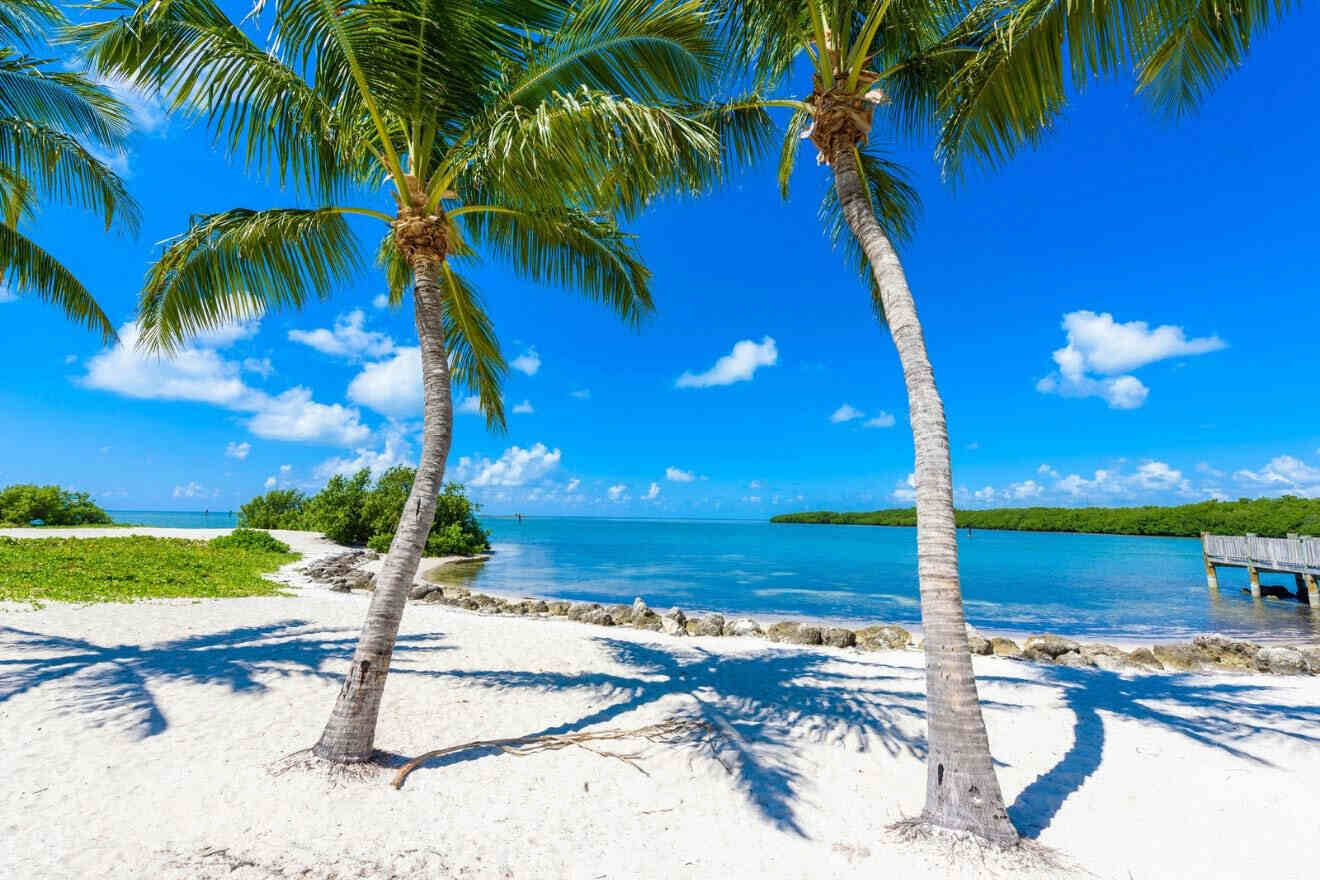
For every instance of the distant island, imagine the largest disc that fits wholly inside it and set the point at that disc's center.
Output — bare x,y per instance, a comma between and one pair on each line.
1268,517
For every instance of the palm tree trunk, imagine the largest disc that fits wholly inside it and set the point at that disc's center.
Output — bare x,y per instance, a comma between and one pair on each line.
962,791
350,733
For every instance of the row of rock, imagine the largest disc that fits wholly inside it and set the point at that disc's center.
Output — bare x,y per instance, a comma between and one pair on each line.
341,572
1202,654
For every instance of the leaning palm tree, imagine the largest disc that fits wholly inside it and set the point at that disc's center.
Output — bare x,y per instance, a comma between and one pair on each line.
50,123
892,58
516,127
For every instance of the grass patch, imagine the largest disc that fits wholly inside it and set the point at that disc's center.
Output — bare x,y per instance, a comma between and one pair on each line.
124,569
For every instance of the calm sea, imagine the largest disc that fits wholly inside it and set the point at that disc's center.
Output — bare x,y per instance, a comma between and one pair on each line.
177,519
1093,585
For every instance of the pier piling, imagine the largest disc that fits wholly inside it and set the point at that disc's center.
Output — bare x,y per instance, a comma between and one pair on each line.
1298,555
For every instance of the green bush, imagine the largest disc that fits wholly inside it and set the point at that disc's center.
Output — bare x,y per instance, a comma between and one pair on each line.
277,509
26,504
350,510
251,539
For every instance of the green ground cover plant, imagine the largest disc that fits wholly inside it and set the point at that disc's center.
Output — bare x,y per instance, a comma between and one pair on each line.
125,569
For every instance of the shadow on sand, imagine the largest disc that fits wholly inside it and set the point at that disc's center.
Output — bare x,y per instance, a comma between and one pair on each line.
112,683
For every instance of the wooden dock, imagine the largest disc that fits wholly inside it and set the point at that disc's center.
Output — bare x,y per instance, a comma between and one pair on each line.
1297,555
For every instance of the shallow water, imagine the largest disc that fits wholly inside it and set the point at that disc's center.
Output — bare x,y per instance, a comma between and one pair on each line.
1094,585
177,519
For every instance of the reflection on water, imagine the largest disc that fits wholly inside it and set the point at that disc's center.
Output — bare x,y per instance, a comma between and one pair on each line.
1095,585
455,574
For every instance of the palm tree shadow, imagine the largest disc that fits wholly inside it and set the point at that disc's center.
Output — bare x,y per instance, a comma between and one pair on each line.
112,684
1222,716
763,704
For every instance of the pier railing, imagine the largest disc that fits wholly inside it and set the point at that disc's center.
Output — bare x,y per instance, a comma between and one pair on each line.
1295,554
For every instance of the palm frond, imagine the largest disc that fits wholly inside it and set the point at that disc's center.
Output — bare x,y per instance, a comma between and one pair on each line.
788,152
474,353
64,170
25,21
60,100
241,263
29,270
582,252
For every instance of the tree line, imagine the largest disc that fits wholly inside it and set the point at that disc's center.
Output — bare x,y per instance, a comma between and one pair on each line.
1268,517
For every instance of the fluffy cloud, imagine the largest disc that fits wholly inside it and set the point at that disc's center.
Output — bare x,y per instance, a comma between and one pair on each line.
846,413
145,109
524,408
1026,489
470,405
1046,470
1284,474
271,482
237,450
261,366
616,492
200,374
195,490
572,485
515,467
737,366
380,301
906,490
394,452
881,419
391,387
677,475
652,493
1099,348
348,339
528,362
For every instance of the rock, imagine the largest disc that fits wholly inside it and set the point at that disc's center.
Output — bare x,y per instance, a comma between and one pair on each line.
538,606
648,620
1109,662
978,643
519,607
1075,659
639,607
1181,658
1050,645
1038,655
1108,657
422,589
1312,655
621,613
579,610
794,633
672,626
839,637
709,625
599,616
1282,661
1003,647
1227,653
743,627
560,609
338,586
886,637
1143,658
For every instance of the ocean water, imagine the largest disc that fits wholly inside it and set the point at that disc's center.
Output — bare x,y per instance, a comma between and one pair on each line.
1092,585
177,519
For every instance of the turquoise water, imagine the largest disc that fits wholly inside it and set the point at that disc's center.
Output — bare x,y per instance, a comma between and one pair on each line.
177,519
1093,585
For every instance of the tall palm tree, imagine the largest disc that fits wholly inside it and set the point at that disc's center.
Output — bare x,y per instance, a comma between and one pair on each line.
51,121
892,58
517,127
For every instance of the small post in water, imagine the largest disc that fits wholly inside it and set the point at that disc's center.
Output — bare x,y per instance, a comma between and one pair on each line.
1211,576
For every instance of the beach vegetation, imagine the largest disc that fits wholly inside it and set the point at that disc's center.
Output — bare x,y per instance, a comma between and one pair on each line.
277,509
251,539
24,504
59,134
124,569
1267,517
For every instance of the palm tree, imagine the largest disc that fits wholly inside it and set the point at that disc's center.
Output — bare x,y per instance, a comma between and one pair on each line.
517,127
50,123
891,57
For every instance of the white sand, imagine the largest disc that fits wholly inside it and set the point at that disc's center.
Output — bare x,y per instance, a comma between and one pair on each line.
135,742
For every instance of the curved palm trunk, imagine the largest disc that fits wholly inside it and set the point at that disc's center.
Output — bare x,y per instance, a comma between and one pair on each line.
350,733
962,791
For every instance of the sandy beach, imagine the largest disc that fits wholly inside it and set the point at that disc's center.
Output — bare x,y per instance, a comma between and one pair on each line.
142,739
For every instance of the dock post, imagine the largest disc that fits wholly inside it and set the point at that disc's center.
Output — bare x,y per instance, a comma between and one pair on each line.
1312,592
1253,575
1211,576
1300,584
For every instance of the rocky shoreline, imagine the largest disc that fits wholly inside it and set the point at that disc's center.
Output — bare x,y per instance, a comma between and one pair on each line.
1206,653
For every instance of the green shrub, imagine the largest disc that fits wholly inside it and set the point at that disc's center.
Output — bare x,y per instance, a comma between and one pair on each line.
26,504
339,510
251,539
277,509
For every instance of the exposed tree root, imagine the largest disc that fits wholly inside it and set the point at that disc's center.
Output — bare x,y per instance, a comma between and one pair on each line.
304,761
667,732
1023,858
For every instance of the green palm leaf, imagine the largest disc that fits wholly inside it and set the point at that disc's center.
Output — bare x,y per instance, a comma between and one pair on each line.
63,170
474,353
29,270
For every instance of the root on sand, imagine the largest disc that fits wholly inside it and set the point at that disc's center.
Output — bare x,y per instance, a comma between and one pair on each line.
1023,858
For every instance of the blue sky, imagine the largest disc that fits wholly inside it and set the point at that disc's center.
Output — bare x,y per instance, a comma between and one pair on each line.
1126,315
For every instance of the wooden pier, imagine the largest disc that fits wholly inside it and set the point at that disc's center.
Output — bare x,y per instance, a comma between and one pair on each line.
1297,555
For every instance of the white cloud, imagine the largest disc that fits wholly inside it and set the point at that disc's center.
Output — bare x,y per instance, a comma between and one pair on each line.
7,295
677,475
528,362
1026,489
1284,474
1099,348
199,374
471,405
572,485
271,482
395,451
846,413
881,419
261,366
194,490
146,110
1046,470
1204,467
986,494
391,387
348,339
616,492
581,394
515,467
754,484
652,493
752,499
1157,475
737,366
227,334
237,450
524,408
286,468
906,490
381,301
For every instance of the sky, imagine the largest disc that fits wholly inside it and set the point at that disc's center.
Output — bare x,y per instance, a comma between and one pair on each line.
1125,315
